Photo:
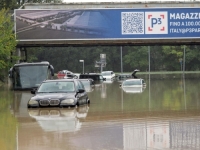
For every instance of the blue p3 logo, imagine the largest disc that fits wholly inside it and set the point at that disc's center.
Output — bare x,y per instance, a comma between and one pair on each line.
155,21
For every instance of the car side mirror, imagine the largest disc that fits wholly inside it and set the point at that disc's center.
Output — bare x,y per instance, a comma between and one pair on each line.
81,90
104,79
33,91
52,70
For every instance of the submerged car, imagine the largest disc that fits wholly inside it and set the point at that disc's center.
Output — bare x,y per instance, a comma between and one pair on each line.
70,76
88,84
127,76
133,83
60,93
109,75
64,74
94,76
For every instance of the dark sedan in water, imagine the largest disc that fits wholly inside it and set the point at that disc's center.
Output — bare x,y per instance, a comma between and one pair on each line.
59,92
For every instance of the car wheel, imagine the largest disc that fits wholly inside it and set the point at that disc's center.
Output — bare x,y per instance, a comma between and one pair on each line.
88,101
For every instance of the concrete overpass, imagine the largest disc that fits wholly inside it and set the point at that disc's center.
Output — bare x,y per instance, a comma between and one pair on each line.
94,36
122,4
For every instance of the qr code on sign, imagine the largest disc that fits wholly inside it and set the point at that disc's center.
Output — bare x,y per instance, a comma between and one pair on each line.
132,22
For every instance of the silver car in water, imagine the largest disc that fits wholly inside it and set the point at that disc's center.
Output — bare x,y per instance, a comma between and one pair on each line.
133,85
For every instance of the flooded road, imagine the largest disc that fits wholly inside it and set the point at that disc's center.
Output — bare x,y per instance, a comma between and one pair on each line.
164,115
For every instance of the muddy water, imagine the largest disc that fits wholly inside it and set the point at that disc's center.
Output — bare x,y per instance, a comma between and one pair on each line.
164,115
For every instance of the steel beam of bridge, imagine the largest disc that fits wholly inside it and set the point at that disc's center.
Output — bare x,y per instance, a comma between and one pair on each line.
152,42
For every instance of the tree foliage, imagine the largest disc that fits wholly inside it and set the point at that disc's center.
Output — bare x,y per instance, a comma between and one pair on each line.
133,58
162,58
15,4
7,39
8,4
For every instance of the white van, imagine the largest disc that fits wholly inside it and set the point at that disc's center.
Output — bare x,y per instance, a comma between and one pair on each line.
109,75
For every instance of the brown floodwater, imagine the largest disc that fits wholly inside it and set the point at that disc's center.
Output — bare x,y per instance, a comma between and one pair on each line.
164,115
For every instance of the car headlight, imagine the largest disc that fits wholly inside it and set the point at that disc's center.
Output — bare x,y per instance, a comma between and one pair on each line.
67,101
33,102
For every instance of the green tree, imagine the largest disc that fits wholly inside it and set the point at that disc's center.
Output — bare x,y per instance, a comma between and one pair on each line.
14,4
172,56
192,57
8,4
7,42
137,58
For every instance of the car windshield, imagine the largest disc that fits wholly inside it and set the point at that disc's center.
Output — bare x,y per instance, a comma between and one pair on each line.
56,87
30,76
131,83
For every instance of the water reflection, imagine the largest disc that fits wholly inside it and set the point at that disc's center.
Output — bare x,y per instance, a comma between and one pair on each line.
133,89
8,123
140,133
162,134
143,135
56,119
19,105
108,81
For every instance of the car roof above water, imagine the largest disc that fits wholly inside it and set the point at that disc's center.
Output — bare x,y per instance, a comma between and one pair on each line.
133,79
85,79
94,76
133,82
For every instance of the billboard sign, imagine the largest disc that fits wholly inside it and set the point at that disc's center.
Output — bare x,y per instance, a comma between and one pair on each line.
109,24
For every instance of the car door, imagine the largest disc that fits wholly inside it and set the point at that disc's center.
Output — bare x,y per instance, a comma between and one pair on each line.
83,95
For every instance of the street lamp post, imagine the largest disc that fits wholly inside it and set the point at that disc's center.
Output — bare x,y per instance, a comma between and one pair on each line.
181,63
83,64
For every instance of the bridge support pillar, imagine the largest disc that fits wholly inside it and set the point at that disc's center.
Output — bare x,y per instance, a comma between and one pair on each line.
18,53
22,53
